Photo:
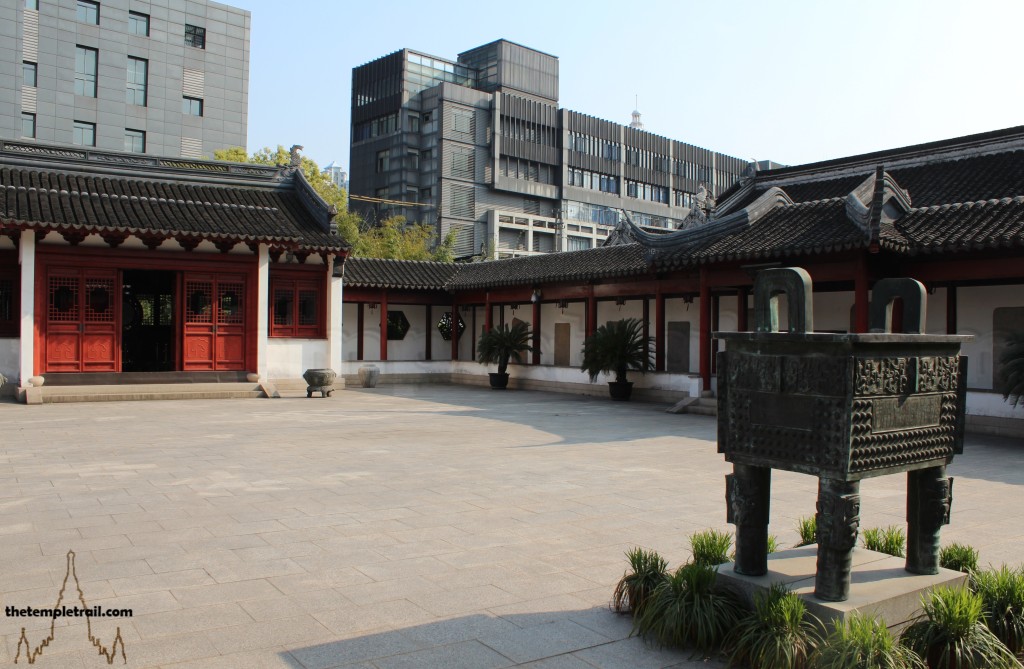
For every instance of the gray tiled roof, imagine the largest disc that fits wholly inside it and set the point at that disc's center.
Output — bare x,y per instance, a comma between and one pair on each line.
590,264
65,200
396,274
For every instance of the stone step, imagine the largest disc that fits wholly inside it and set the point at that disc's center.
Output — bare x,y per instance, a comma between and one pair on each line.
129,392
705,406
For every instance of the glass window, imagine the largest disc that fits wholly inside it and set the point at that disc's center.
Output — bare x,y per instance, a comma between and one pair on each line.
32,4
192,106
85,71
134,141
137,78
462,121
28,125
195,36
383,160
88,12
138,24
414,122
29,74
85,133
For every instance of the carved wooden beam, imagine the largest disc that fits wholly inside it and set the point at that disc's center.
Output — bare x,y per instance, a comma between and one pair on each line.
74,237
276,253
301,256
152,241
114,238
188,243
254,247
224,245
41,235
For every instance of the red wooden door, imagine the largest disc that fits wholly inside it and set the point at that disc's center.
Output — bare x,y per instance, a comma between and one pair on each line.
214,323
82,320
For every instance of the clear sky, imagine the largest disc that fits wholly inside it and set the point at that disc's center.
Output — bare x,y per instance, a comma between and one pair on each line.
793,81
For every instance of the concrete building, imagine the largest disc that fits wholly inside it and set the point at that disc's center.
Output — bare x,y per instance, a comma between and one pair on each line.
161,77
479,145
337,174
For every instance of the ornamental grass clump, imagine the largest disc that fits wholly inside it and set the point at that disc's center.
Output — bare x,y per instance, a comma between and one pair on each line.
777,634
952,633
689,609
1002,596
807,528
890,540
959,557
635,587
711,547
863,642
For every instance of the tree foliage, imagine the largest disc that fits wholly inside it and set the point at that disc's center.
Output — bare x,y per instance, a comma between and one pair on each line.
393,238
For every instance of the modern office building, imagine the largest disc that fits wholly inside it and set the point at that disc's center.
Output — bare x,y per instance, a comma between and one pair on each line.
162,77
479,145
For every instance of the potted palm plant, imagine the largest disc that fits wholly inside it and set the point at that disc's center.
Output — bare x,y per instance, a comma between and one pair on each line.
616,348
501,344
1013,369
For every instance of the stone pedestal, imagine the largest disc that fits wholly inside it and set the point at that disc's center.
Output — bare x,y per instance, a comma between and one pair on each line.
880,585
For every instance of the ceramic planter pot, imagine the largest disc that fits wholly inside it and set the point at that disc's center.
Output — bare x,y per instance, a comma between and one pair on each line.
620,390
498,381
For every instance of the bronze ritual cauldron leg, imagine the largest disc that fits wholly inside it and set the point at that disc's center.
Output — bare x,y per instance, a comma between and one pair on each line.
748,497
929,498
838,520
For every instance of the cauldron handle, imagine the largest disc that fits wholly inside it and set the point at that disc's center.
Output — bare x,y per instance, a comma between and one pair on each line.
914,298
796,284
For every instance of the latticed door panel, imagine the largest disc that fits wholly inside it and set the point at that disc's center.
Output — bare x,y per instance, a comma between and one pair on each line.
230,339
82,316
198,344
214,336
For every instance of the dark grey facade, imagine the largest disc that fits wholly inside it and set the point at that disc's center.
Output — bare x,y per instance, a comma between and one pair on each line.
480,146
161,77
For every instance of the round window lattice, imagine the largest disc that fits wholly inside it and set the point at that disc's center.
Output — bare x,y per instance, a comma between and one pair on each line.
99,299
398,325
444,326
64,298
198,301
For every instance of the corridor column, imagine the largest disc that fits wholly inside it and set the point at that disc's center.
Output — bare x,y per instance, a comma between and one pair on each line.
27,259
383,325
659,331
705,331
335,305
455,328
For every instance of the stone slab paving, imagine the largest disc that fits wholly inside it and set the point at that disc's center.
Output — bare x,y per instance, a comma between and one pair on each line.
395,527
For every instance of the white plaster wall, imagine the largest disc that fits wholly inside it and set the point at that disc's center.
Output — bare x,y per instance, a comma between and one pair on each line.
676,311
414,345
980,403
10,359
831,311
974,317
349,319
289,358
575,316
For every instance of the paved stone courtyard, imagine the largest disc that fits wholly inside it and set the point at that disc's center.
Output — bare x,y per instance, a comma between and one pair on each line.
396,527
